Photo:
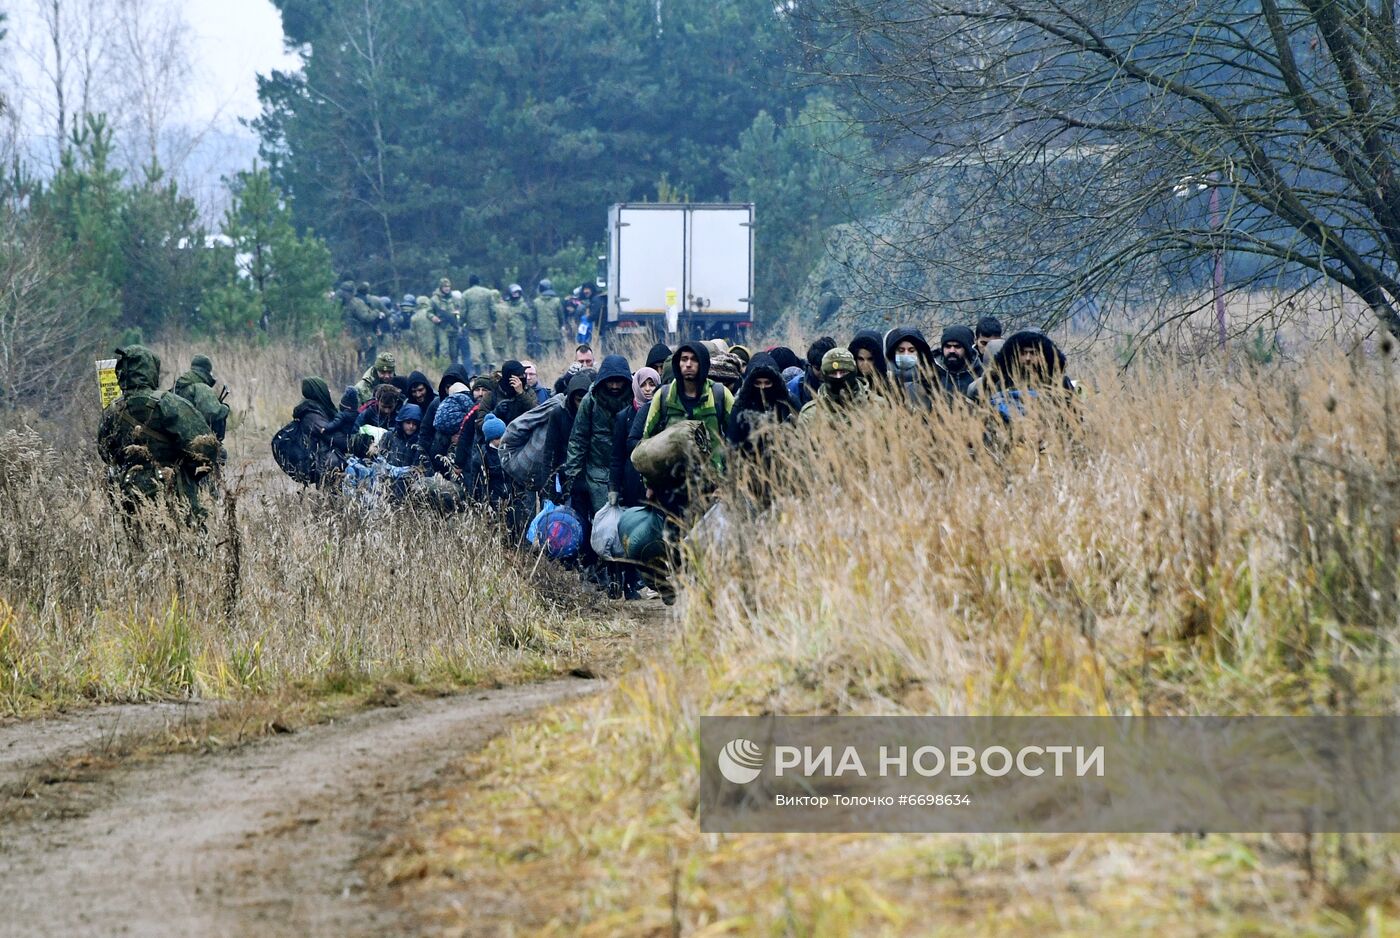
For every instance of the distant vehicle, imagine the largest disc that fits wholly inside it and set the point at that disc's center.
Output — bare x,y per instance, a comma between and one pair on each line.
680,267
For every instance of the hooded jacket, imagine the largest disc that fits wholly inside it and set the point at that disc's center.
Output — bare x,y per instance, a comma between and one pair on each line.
910,384
146,430
712,407
512,405
1006,372
400,448
754,409
589,456
197,387
869,340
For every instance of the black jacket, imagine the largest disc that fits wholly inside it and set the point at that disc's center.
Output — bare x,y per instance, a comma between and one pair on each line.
754,408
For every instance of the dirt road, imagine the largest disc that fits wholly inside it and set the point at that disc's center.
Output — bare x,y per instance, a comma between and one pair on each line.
261,840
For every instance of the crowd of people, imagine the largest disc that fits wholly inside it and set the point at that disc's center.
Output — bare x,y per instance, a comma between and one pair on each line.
619,447
469,325
503,439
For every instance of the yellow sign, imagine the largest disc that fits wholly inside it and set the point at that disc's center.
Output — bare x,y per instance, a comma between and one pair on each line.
673,297
107,388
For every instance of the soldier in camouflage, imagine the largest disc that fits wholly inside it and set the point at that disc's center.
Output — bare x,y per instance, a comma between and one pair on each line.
478,302
546,332
446,316
197,387
155,443
361,320
513,320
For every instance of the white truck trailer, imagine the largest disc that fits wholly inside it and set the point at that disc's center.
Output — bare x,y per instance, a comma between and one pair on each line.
680,269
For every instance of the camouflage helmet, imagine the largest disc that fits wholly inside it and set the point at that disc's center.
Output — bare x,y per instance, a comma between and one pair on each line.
347,286
362,286
838,358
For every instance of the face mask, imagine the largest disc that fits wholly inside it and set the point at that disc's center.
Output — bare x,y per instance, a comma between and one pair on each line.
906,362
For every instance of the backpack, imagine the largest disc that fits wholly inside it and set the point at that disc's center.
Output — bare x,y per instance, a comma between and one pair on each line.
556,530
293,453
525,450
720,394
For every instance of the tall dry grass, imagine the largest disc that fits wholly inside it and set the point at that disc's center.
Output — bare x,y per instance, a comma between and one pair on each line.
1217,542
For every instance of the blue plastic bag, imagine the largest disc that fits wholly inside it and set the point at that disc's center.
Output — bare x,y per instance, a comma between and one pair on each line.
556,530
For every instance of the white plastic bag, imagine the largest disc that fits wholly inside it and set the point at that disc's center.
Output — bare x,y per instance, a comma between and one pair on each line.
606,540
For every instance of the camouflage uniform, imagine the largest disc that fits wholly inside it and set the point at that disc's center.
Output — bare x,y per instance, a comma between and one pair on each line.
545,333
424,334
155,442
384,361
477,304
447,318
361,321
513,319
197,387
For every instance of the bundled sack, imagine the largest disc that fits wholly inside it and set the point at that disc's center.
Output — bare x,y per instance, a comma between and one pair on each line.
557,531
527,451
642,534
605,539
664,459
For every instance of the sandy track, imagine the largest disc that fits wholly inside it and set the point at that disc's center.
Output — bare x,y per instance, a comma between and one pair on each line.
260,840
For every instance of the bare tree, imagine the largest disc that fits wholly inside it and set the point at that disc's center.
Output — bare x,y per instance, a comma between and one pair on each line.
45,339
1095,144
152,51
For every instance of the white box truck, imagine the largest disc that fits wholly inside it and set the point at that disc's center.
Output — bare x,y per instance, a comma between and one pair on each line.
680,268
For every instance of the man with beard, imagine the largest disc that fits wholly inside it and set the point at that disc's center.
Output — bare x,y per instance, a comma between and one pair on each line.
958,364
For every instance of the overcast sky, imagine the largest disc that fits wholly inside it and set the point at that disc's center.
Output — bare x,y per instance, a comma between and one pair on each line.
235,40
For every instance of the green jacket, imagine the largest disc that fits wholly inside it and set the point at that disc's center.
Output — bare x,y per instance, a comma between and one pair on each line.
152,439
549,316
197,387
667,398
445,309
591,443
358,316
476,306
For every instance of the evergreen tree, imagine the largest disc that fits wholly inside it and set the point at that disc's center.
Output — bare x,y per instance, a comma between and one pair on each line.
276,279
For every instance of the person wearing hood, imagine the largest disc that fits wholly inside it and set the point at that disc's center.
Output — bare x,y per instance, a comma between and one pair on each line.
155,441
841,392
404,447
197,387
514,398
659,360
1029,361
465,437
805,388
911,358
455,374
537,392
381,372
869,352
624,478
420,391
761,405
546,332
957,365
691,395
588,465
449,413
